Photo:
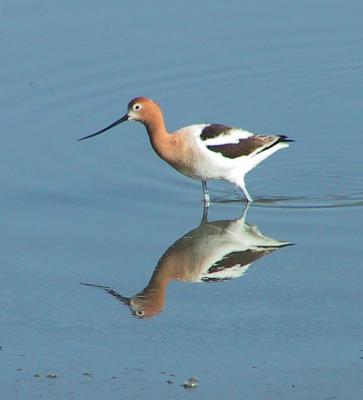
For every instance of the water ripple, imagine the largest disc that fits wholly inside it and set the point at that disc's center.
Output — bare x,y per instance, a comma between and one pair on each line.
328,191
298,202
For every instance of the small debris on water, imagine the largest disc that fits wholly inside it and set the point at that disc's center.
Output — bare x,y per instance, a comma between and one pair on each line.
52,376
191,383
87,374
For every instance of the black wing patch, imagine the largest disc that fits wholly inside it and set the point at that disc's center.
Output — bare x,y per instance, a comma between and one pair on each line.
214,130
245,147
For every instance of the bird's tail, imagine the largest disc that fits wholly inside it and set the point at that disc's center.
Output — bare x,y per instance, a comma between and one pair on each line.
284,139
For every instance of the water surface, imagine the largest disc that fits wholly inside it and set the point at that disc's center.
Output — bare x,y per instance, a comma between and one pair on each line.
285,324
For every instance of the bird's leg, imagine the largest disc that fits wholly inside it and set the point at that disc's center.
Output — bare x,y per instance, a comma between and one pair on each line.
205,194
244,189
244,212
205,215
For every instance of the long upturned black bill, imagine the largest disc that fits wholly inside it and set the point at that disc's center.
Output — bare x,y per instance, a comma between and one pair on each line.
119,121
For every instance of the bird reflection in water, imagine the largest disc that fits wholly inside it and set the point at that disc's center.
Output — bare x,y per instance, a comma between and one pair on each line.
213,252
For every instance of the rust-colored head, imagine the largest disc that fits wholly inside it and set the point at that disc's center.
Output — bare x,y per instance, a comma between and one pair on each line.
141,109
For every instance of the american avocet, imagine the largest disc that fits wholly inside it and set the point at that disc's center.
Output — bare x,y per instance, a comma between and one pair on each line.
202,151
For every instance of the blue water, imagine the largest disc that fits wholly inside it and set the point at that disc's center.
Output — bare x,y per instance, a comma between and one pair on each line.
106,210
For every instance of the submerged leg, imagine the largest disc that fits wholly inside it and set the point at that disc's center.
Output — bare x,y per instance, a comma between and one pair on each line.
205,215
244,212
205,194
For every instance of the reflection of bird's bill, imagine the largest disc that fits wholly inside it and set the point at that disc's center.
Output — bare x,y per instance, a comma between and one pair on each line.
116,295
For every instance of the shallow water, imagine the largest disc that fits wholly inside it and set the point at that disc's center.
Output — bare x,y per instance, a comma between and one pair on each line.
288,323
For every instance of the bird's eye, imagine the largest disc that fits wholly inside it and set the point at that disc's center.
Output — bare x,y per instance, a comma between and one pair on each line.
137,107
140,313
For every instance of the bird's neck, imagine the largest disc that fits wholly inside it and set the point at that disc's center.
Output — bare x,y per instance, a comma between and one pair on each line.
158,135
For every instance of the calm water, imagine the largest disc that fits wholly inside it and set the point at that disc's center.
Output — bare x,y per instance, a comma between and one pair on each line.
287,324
